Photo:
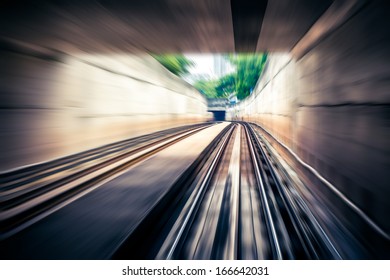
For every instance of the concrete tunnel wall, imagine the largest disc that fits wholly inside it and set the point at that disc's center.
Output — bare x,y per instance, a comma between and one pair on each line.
331,107
55,105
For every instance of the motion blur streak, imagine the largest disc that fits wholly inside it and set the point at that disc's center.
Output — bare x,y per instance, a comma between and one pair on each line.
55,108
107,154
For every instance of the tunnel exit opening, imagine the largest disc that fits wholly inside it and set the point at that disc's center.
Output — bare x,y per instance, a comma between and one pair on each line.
224,79
219,115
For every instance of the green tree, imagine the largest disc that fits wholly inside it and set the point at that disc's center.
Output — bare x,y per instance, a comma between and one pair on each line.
207,87
176,63
226,85
220,88
248,70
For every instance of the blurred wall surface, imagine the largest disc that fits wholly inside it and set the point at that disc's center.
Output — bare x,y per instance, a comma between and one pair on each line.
54,104
331,107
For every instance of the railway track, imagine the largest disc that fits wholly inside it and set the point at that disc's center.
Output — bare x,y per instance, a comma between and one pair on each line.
29,194
356,235
234,201
301,235
236,206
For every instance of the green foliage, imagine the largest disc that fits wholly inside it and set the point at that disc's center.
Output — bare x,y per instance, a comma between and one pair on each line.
208,88
226,85
220,88
248,70
177,64
242,81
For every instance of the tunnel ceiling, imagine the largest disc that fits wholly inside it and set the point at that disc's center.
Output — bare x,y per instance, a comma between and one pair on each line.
160,25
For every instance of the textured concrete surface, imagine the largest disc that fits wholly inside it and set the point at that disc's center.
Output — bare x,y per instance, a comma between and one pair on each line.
55,107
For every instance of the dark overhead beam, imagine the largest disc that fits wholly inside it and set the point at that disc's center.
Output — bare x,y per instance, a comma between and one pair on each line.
247,20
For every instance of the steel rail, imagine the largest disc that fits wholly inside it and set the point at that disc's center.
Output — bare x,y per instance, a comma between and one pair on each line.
197,198
268,216
333,188
288,201
9,178
20,215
